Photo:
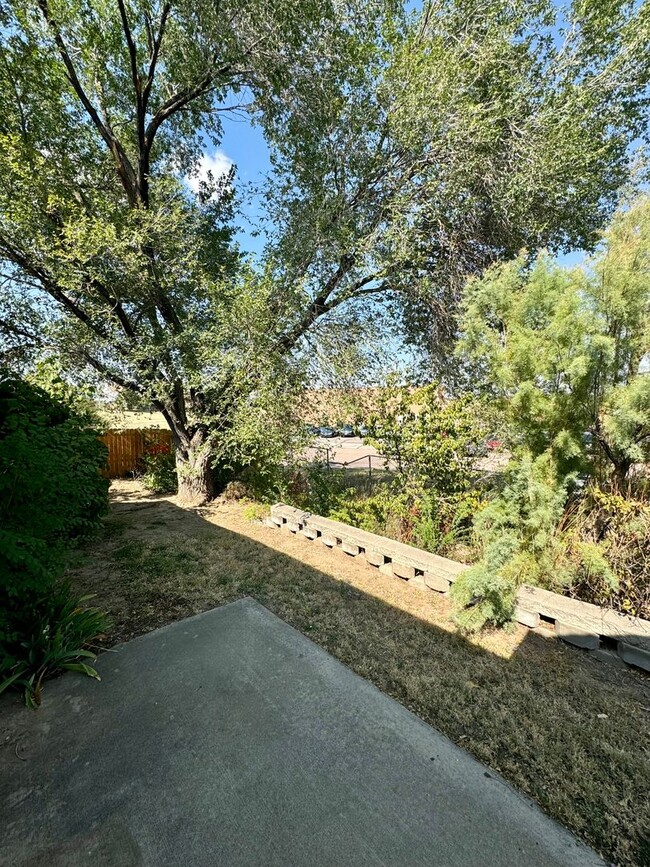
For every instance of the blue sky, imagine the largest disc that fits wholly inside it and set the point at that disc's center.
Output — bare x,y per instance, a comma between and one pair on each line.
244,144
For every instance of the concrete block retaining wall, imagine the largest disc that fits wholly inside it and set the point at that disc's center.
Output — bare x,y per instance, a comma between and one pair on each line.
579,623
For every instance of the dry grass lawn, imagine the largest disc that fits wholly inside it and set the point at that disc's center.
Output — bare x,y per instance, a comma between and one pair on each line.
565,729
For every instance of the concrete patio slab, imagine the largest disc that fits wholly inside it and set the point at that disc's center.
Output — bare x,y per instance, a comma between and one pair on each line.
231,739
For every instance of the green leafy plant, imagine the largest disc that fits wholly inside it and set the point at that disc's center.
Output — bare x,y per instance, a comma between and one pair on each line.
51,491
430,442
607,539
48,634
159,465
255,511
51,496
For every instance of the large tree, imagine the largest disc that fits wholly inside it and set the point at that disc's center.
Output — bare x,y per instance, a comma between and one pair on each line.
407,155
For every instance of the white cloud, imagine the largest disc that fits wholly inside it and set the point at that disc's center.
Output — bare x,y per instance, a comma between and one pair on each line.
218,163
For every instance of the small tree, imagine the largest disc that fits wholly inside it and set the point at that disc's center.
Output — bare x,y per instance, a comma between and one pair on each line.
567,352
515,538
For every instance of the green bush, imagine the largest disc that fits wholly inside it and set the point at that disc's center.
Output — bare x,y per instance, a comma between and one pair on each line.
51,496
517,541
378,513
607,540
159,474
312,487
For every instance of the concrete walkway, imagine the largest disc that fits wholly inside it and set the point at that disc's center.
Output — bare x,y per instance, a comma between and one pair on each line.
230,739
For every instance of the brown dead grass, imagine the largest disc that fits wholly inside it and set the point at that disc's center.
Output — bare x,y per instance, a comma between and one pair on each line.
569,731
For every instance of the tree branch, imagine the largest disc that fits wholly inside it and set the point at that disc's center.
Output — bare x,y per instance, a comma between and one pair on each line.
113,377
323,303
12,328
50,287
123,164
133,55
155,51
179,100
115,307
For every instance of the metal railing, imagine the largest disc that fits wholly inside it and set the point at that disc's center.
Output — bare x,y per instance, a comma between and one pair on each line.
370,467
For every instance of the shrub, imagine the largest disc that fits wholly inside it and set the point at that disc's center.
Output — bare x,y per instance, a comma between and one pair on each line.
159,465
313,487
427,438
517,542
51,496
255,512
607,540
51,492
374,514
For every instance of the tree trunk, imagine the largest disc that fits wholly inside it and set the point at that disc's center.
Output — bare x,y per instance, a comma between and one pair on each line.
622,468
193,466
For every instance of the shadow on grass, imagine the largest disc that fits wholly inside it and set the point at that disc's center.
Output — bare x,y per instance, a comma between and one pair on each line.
561,727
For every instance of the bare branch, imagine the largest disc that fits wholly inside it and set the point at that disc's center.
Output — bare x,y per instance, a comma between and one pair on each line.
155,44
133,55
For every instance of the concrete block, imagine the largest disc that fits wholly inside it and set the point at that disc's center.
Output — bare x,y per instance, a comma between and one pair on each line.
330,541
575,635
634,655
591,618
418,583
387,569
437,582
292,526
269,522
349,548
527,618
277,520
288,513
309,533
403,571
375,558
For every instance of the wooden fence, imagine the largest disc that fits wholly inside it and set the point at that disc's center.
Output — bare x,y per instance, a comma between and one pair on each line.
126,447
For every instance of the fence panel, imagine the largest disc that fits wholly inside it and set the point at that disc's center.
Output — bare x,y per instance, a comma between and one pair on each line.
126,447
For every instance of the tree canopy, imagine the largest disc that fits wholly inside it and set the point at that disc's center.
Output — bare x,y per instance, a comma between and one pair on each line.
408,153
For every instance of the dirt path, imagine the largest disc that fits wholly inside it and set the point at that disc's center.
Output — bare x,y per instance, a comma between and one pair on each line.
566,729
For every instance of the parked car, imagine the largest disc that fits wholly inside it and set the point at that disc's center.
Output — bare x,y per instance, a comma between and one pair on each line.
327,432
493,443
362,430
312,430
347,430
